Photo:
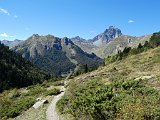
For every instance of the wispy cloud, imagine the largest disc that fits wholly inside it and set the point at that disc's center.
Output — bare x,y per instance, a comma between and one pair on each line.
4,11
6,35
131,21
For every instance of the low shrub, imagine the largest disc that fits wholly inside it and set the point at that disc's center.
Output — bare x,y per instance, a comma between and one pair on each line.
122,99
53,92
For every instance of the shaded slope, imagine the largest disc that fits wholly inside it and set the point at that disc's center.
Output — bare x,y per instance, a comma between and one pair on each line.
16,71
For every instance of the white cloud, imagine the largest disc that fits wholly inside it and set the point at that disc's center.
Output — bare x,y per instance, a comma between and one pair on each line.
6,35
131,21
11,36
3,35
4,11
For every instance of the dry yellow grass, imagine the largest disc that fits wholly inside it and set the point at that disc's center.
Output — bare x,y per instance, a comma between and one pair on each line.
143,64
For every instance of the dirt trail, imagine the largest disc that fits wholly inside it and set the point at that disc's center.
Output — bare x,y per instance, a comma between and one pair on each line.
51,113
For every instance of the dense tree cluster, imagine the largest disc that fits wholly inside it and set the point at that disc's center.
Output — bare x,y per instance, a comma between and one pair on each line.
16,71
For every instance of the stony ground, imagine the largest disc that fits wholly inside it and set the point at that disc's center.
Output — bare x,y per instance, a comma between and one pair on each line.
51,113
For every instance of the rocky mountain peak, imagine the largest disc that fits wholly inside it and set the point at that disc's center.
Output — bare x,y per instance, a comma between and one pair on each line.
67,41
35,36
113,32
77,37
108,35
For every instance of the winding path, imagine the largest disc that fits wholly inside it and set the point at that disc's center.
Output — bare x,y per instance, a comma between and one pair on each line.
51,113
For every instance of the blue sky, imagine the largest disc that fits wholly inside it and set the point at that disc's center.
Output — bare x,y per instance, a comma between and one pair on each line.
86,18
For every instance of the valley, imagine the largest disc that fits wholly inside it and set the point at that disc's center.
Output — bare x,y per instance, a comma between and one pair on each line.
126,86
79,60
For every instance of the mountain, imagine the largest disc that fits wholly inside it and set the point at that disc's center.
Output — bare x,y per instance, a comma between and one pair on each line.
118,44
16,71
109,42
55,55
92,44
11,44
85,45
107,36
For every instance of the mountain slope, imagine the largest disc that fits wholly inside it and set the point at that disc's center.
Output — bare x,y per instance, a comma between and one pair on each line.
125,89
119,44
85,45
16,71
55,55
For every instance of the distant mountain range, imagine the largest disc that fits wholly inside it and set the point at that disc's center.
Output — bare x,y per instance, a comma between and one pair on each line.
109,42
60,55
11,43
55,55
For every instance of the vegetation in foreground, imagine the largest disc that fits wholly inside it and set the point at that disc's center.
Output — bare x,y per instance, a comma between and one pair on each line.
14,101
123,89
130,99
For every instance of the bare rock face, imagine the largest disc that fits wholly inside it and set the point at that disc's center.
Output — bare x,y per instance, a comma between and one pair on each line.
86,45
108,35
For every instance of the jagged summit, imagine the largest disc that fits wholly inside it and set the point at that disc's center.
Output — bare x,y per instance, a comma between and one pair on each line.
108,35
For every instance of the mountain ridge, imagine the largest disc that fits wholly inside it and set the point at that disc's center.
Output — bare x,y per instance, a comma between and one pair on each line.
56,55
11,44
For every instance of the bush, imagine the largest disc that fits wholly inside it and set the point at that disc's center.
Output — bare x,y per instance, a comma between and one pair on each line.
17,107
58,83
53,92
62,103
118,100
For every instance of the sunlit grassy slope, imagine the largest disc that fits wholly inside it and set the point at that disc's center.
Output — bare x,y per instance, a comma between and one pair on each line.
123,90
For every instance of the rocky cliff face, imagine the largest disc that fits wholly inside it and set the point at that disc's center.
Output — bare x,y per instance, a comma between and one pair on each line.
56,55
85,45
107,36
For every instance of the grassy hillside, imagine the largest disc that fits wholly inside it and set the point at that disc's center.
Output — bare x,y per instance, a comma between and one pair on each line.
122,90
19,102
